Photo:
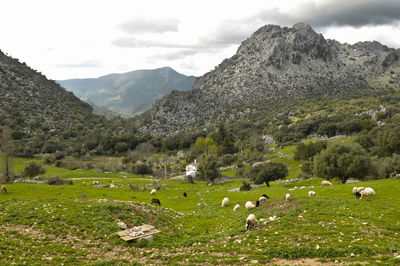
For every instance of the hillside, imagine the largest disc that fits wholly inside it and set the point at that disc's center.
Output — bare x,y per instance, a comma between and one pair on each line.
77,224
274,66
129,93
43,116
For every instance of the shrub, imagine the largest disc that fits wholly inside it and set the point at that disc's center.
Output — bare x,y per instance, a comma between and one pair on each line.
245,187
208,169
342,160
307,167
141,169
56,180
33,169
267,172
227,159
48,158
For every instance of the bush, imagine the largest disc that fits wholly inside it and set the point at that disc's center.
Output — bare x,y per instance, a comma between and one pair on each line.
33,169
208,169
227,159
141,169
387,166
56,180
48,158
342,160
307,167
245,187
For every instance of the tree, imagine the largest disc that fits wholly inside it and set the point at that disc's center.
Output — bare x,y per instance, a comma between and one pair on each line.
208,168
268,172
33,169
205,146
7,148
342,160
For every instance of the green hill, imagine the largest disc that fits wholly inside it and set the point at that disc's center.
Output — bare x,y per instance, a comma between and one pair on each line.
129,93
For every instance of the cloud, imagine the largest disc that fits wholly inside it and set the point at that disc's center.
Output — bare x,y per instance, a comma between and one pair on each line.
355,13
132,42
85,64
145,25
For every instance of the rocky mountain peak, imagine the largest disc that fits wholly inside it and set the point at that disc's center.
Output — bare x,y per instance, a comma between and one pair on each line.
275,64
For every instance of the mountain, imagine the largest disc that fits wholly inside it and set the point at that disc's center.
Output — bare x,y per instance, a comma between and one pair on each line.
129,93
104,111
42,115
274,67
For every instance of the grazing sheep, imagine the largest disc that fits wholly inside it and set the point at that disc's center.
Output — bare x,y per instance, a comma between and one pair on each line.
153,191
225,202
326,183
358,195
3,189
184,194
287,197
312,193
263,198
367,192
155,201
357,189
96,183
251,221
236,208
250,205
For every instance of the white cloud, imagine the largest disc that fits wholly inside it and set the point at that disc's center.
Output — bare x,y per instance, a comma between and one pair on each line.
94,38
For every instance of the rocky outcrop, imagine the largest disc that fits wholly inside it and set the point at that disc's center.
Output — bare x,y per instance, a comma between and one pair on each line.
276,64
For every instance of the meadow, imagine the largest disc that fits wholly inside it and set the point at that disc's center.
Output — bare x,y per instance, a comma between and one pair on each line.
77,224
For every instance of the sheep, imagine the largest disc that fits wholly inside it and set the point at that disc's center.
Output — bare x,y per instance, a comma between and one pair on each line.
367,192
326,183
312,193
153,191
225,202
357,189
251,221
236,208
358,195
250,205
263,198
96,182
287,197
4,189
155,201
185,194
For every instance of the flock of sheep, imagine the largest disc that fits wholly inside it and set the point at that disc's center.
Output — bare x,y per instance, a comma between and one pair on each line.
251,220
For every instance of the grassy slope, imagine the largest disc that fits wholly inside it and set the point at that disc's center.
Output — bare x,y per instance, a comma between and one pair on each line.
56,224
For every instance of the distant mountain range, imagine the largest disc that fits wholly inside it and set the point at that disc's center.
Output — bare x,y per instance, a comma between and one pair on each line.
272,68
129,93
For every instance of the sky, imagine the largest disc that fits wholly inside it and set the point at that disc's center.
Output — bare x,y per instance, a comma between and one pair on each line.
67,39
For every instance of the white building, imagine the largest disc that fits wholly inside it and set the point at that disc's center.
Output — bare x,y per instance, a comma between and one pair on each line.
191,169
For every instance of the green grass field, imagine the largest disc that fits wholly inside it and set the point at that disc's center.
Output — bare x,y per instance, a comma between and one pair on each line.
76,224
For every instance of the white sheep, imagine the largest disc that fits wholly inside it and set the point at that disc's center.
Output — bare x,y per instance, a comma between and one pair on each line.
225,202
312,193
153,191
251,221
236,208
357,189
367,192
287,196
326,183
249,205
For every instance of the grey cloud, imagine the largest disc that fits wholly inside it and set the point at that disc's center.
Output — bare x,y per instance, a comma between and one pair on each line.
144,25
354,13
85,64
133,42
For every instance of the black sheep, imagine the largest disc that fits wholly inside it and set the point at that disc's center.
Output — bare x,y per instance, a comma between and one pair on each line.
155,201
184,194
358,195
264,195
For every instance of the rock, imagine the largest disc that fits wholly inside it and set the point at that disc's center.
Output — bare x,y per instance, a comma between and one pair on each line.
122,225
148,238
272,65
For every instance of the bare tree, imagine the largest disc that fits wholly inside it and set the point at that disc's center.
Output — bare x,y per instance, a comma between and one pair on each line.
7,148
